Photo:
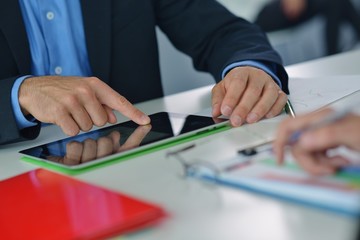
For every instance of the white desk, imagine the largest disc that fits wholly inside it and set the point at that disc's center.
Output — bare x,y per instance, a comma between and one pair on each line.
198,210
341,64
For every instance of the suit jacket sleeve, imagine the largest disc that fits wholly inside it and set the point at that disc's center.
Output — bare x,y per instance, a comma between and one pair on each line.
214,37
9,131
14,62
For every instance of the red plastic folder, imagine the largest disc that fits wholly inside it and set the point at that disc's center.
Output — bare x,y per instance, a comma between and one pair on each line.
44,205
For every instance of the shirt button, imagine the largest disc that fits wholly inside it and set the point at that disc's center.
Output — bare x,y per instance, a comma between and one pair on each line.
50,15
58,70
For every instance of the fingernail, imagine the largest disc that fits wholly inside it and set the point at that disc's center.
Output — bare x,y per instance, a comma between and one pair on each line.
145,119
226,110
236,121
252,117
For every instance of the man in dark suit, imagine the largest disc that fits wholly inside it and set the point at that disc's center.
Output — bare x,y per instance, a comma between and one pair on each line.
72,63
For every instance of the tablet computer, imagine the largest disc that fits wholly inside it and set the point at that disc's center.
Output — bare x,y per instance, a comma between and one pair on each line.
122,139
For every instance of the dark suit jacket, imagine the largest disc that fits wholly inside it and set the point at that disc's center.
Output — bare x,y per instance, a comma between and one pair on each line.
122,46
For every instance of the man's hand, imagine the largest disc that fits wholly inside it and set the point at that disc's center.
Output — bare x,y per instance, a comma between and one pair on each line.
312,148
75,103
247,94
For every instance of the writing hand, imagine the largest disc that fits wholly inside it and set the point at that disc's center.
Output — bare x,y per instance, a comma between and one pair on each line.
312,148
247,94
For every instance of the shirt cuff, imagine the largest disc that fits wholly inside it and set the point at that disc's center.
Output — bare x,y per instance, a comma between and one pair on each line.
266,67
21,121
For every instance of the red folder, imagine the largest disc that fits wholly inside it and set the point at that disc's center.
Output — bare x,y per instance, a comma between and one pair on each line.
44,205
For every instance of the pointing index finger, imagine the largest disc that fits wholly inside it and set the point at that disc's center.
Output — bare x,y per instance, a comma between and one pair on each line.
114,100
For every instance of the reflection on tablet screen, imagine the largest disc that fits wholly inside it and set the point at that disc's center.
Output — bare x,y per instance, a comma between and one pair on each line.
87,147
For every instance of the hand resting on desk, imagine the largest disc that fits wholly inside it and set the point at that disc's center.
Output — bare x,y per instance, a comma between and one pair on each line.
247,94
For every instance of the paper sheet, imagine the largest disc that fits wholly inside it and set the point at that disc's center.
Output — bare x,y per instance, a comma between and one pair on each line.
310,94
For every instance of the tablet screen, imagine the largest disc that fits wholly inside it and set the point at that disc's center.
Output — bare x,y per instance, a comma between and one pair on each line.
115,139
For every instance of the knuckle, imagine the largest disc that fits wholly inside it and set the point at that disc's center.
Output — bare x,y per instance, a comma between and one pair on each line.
260,110
231,99
241,73
273,87
70,100
255,91
282,95
254,71
214,89
243,110
93,80
85,90
122,100
60,110
68,129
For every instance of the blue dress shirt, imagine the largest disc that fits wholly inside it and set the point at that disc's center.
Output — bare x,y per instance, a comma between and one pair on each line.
57,45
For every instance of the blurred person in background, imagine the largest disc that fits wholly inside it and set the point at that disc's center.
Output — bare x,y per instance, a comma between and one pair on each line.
283,14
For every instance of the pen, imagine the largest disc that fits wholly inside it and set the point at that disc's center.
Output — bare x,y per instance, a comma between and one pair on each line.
330,118
289,109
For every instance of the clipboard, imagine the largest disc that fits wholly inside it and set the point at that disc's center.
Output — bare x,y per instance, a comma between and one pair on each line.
255,170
